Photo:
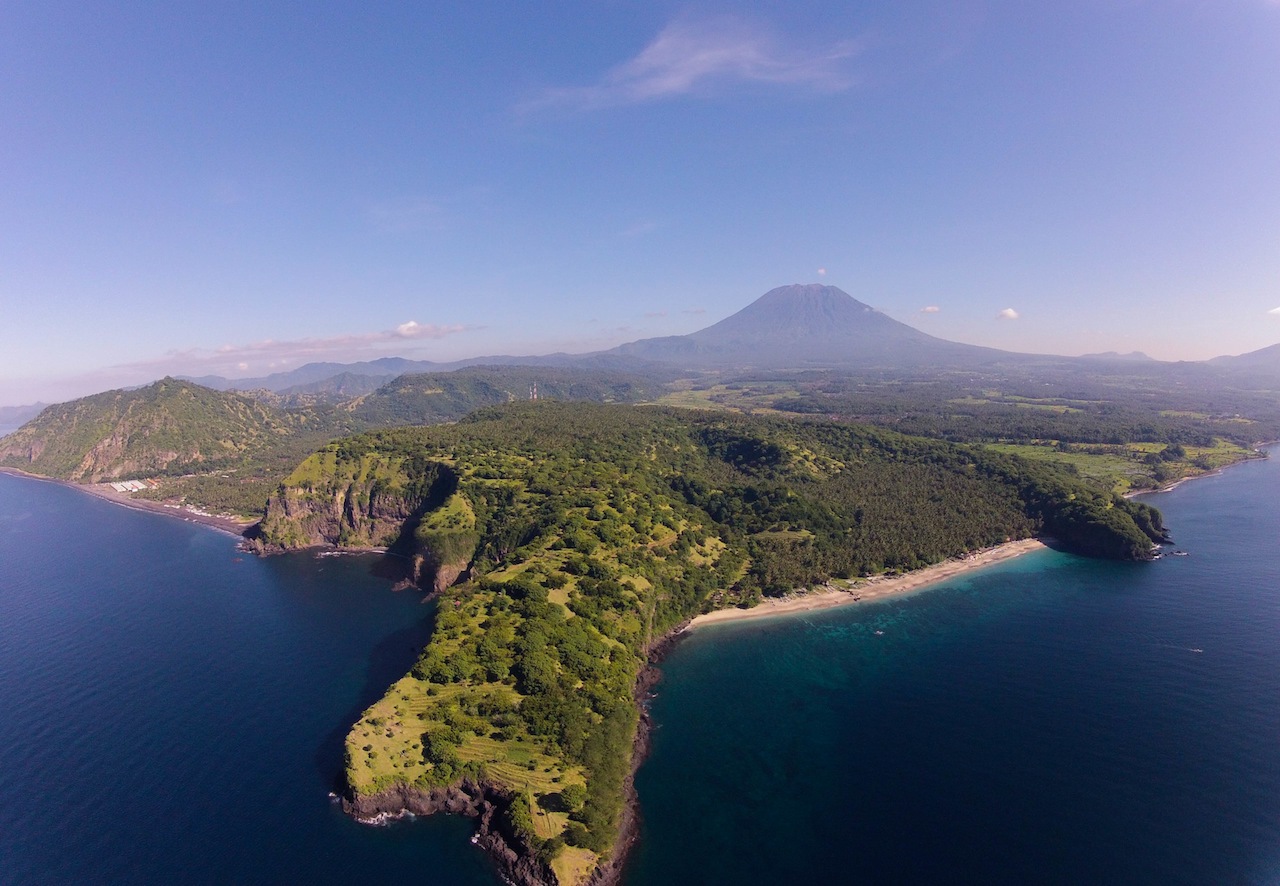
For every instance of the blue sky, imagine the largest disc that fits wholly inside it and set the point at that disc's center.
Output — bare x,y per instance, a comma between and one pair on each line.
242,188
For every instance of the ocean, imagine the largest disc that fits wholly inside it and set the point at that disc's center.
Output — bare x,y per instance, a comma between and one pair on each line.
1049,720
172,710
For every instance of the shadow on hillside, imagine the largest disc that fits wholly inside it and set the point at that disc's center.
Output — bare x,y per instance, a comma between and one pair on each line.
390,660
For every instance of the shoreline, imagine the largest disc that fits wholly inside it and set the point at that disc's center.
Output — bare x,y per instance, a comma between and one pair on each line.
1260,452
392,804
870,590
222,523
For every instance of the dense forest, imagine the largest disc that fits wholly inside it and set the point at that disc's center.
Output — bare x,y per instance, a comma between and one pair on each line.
583,532
227,452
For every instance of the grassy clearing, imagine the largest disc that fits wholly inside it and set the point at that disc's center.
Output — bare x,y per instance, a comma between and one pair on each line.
574,865
455,513
1055,406
1128,467
386,745
762,397
784,534
1115,470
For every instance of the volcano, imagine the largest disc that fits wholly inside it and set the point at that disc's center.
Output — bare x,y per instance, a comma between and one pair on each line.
809,325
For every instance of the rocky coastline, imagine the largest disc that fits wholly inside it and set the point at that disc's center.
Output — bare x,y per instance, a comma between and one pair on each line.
609,872
516,862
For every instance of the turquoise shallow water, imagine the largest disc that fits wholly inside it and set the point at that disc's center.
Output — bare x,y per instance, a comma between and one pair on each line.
172,711
1052,719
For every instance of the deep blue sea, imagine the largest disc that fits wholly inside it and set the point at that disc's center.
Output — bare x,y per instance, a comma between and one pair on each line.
172,710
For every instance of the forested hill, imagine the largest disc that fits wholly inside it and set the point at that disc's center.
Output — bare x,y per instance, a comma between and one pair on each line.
167,427
585,532
433,397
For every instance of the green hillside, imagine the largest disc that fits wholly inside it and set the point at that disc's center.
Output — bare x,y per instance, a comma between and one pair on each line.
586,532
169,427
434,397
227,452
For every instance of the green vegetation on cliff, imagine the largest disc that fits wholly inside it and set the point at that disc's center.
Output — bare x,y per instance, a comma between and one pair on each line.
587,532
168,427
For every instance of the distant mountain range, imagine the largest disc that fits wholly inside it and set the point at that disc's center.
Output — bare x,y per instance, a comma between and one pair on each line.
385,368
14,416
791,327
801,326
817,342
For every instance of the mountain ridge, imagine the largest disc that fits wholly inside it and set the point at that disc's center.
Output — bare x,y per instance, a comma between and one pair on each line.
797,326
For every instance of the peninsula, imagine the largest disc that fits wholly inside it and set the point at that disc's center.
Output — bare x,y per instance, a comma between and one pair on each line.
565,542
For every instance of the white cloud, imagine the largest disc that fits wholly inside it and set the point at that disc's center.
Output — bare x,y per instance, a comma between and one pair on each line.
822,272
414,329
698,55
694,311
931,309
270,353
1008,314
1275,312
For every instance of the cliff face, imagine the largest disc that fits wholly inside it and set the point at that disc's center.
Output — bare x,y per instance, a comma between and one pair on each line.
518,862
412,508
347,516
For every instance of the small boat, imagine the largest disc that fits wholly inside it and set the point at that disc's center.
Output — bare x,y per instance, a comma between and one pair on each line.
879,633
1181,554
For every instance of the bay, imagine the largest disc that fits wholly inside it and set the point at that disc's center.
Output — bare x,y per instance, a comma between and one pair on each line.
1050,720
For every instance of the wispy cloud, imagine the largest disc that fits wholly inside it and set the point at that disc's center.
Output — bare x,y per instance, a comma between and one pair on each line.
271,354
1275,312
1008,314
695,312
702,56
654,314
931,309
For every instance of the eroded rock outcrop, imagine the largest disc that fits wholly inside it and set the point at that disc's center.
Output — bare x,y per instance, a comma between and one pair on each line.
518,862
411,508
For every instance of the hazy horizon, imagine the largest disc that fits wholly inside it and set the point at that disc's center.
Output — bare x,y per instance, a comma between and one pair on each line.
241,191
